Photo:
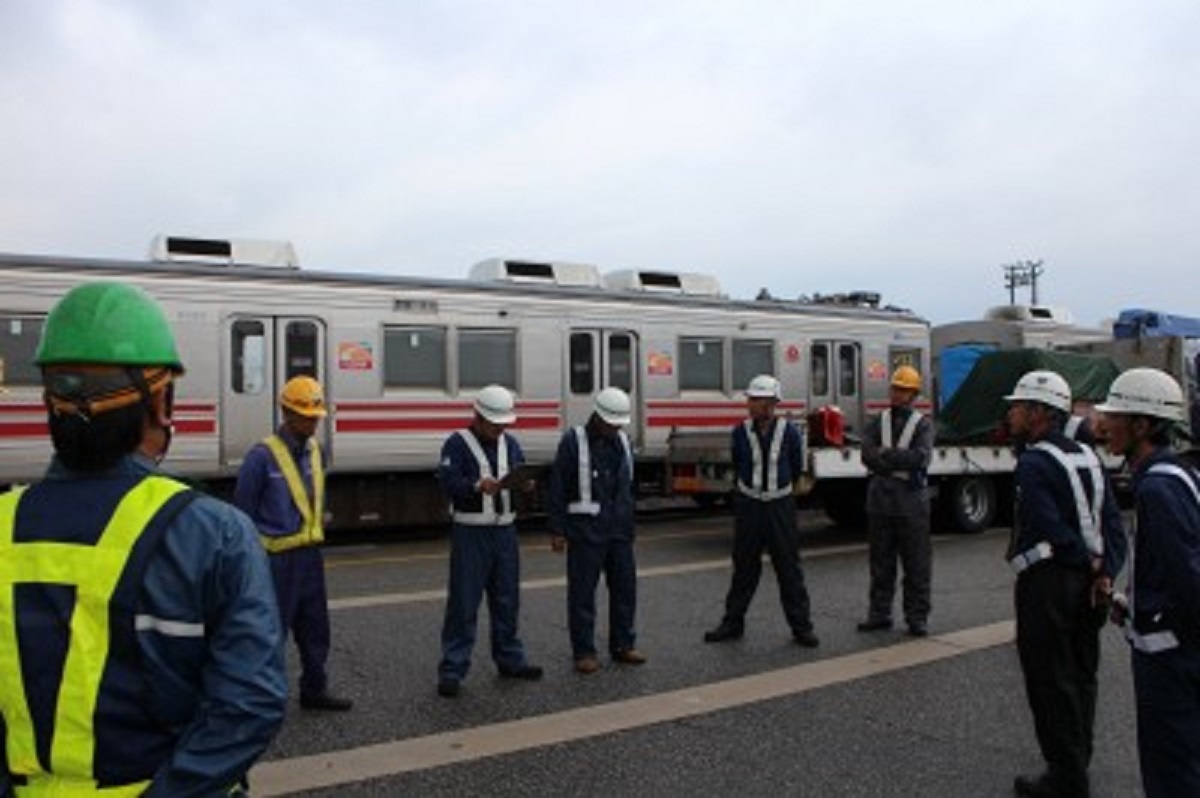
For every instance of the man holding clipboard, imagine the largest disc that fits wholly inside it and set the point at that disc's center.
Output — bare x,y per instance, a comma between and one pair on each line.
479,468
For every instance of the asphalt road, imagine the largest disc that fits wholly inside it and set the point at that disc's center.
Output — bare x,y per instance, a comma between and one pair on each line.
863,715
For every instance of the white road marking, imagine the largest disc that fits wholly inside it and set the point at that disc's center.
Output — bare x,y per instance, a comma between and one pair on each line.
334,768
420,596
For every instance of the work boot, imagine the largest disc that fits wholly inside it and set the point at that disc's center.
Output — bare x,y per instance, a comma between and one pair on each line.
530,673
724,632
629,656
875,625
325,701
807,639
1044,785
587,665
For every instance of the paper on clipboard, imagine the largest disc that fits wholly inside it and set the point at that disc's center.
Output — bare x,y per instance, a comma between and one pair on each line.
517,478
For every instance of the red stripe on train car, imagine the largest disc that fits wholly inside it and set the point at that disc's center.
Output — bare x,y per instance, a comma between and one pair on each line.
692,421
668,405
430,424
24,429
433,407
22,408
195,426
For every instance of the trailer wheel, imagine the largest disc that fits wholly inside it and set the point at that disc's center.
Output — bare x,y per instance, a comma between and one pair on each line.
968,504
844,501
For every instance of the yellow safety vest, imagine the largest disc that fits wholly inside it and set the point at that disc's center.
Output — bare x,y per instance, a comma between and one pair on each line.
311,531
94,571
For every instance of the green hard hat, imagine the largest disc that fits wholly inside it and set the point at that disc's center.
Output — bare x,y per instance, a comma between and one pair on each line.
109,323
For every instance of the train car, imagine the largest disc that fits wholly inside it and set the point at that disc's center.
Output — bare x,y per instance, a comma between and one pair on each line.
402,357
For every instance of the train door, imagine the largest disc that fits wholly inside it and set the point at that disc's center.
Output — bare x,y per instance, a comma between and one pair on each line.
598,359
835,378
262,354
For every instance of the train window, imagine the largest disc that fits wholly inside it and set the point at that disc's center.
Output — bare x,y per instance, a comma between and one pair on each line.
847,370
751,358
620,361
19,336
701,364
248,357
819,365
414,357
300,338
583,377
487,356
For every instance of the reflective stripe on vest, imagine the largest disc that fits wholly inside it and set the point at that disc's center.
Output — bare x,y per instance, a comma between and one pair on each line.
488,515
1071,428
906,435
1040,552
585,505
312,530
94,571
1164,640
1089,516
757,489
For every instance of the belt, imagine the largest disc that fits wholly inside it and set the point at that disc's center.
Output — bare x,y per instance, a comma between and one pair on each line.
1042,551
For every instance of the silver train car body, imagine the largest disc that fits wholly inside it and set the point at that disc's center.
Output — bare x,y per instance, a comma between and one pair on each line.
402,358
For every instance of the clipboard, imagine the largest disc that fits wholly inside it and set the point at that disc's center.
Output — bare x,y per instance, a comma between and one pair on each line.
517,478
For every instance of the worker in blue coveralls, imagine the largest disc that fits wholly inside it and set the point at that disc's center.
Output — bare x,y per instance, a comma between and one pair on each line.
479,470
768,456
142,653
1067,546
281,485
1161,611
591,507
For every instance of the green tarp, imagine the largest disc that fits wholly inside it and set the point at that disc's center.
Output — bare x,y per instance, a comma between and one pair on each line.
976,412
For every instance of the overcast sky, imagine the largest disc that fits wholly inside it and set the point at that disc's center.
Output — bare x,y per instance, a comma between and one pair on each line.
810,146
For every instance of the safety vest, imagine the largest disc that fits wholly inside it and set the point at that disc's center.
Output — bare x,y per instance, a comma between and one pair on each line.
94,571
487,516
312,530
771,488
1164,640
1072,427
585,505
906,435
1089,513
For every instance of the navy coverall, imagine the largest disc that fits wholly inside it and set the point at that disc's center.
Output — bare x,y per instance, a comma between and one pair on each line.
1058,628
597,543
299,573
483,558
1165,599
766,519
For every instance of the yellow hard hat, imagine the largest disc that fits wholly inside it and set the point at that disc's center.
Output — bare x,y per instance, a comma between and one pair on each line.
906,377
303,395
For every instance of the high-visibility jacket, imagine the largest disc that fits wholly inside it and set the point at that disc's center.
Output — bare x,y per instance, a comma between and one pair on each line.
194,686
54,753
311,508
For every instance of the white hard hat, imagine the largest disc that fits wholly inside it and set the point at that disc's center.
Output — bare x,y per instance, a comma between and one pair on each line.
764,386
495,403
612,405
1145,392
1044,387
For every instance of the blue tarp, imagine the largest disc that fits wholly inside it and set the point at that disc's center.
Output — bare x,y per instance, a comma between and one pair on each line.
1137,323
954,364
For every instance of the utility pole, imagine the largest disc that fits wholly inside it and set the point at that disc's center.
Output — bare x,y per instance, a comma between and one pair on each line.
1022,273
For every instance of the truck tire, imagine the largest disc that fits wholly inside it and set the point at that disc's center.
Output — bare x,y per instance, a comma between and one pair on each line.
844,501
968,504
